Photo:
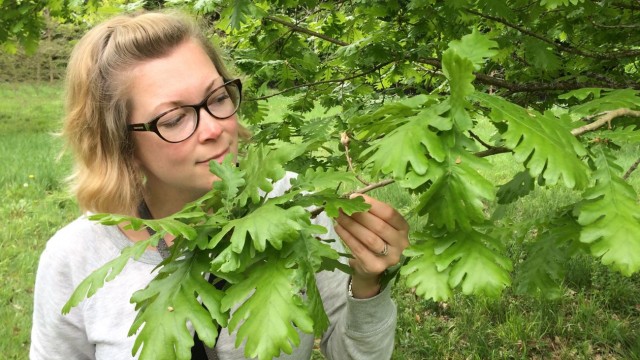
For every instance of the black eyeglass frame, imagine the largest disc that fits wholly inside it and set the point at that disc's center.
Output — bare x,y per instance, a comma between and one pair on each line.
152,125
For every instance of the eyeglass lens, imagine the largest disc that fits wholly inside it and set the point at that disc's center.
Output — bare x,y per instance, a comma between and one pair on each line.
180,123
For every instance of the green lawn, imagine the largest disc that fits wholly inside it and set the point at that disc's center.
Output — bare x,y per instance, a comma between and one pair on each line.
598,317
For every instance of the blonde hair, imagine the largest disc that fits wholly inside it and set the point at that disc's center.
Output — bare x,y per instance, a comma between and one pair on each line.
105,177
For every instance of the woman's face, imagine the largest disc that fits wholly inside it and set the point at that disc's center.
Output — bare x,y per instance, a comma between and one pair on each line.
179,172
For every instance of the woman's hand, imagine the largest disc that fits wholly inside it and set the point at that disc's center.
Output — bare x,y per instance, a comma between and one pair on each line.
376,239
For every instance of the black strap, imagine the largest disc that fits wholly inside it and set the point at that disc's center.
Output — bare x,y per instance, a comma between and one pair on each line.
198,351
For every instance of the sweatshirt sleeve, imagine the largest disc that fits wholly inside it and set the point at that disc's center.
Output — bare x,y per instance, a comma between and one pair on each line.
53,335
359,328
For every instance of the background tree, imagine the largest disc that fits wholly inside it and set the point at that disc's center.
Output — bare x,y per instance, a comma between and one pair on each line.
416,83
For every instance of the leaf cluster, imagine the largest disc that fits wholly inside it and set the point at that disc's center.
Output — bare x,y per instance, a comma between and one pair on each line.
262,245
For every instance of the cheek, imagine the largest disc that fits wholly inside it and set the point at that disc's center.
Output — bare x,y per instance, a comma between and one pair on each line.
154,154
232,128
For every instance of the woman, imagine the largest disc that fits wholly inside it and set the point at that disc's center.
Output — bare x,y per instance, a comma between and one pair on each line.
128,82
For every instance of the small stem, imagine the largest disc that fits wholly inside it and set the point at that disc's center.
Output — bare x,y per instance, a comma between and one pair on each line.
631,169
477,138
370,187
300,29
492,151
344,139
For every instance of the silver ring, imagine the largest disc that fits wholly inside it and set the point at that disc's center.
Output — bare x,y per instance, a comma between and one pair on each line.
385,250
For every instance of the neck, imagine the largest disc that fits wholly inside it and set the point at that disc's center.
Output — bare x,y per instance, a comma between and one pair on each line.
164,202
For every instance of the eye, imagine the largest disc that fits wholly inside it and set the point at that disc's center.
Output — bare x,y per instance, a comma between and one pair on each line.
218,98
172,119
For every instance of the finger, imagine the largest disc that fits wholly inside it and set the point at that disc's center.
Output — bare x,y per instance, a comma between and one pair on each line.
385,212
370,239
379,227
365,260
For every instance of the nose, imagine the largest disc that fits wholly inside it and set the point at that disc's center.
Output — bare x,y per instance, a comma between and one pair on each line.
209,128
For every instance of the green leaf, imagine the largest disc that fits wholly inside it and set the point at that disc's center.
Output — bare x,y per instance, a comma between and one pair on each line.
541,142
115,219
310,255
552,4
232,178
474,262
410,146
582,94
621,135
610,100
391,115
455,200
610,216
231,266
541,55
332,207
239,12
319,179
89,286
521,185
169,303
267,224
173,227
421,272
459,71
271,309
476,47
263,166
333,203
543,270
316,306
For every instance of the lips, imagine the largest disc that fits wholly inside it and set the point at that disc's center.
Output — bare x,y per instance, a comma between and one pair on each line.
218,157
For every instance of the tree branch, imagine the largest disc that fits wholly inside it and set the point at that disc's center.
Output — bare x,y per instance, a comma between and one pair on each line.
305,30
536,86
605,118
621,26
611,55
482,78
374,69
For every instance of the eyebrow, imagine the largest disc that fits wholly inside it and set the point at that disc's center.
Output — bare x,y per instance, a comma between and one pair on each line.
207,90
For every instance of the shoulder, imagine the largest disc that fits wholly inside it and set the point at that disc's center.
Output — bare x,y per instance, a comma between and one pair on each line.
79,235
78,248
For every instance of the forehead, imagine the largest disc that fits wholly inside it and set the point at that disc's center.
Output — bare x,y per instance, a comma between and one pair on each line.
182,76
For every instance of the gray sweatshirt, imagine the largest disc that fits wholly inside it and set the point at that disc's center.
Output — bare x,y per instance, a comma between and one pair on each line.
97,328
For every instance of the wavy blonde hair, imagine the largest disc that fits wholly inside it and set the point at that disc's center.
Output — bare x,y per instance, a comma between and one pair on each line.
105,176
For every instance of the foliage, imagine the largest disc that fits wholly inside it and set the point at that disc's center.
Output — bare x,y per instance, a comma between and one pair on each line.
264,247
413,89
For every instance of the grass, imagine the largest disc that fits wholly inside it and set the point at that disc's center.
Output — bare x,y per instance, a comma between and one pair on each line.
597,318
34,202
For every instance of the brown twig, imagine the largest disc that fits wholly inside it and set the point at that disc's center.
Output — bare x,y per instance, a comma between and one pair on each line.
344,139
611,55
375,68
482,142
492,151
535,86
631,169
605,118
300,29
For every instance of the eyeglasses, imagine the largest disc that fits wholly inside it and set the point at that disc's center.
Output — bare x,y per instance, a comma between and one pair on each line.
178,124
